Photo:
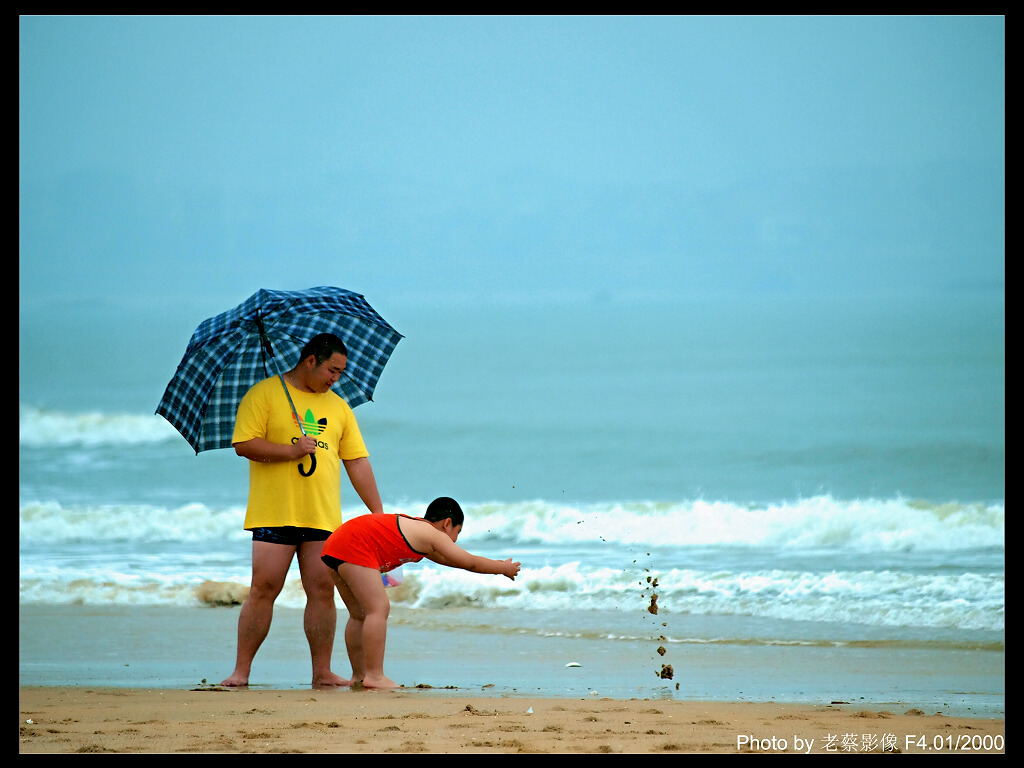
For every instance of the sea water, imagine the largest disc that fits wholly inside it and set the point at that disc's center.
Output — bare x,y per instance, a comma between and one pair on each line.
739,472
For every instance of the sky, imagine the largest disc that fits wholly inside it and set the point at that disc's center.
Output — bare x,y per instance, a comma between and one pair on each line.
197,159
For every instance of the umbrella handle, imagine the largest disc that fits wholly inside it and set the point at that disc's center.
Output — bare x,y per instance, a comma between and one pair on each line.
312,456
312,466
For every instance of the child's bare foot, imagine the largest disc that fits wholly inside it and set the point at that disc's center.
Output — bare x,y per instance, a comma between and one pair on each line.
330,680
237,680
378,682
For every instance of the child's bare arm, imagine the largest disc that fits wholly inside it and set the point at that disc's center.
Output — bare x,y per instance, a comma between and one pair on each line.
446,552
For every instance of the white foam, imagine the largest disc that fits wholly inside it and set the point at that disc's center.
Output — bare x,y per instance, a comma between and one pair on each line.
817,523
52,523
39,427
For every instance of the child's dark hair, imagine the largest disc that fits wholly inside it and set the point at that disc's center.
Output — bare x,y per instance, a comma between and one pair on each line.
442,508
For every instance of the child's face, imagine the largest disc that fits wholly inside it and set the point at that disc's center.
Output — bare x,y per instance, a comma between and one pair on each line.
453,531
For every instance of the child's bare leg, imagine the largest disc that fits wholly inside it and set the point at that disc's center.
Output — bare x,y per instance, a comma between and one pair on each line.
353,629
366,590
354,645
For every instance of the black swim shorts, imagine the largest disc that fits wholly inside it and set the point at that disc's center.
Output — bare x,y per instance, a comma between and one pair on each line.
331,562
289,534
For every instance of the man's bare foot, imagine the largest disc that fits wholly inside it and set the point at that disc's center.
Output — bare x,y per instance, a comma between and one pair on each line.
378,682
236,681
330,680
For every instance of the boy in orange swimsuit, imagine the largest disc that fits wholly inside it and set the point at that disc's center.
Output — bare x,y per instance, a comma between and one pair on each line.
366,546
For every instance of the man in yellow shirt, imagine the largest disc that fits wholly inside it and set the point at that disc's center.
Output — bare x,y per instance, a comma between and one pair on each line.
295,495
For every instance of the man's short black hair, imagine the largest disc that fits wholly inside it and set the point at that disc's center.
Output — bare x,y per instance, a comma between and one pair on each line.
323,346
442,508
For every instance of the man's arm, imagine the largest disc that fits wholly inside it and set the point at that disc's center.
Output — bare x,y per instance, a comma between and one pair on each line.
360,474
261,449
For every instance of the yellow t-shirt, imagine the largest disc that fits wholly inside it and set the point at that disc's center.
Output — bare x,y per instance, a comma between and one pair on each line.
287,492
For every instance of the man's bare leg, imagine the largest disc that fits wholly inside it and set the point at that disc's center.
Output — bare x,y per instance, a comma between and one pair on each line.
321,616
270,563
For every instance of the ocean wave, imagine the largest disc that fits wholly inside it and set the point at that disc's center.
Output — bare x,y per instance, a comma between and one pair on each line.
39,427
962,601
48,522
969,601
820,524
817,523
885,563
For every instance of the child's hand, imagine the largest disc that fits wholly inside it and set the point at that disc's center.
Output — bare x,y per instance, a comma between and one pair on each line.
512,569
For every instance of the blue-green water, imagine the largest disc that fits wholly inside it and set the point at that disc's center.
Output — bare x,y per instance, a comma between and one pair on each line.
790,471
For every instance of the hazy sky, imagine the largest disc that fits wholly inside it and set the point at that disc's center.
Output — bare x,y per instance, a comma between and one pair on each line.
163,158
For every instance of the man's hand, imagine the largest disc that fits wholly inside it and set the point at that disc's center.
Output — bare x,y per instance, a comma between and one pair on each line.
304,446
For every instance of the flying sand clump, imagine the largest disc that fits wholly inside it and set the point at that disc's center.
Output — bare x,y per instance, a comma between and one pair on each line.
666,672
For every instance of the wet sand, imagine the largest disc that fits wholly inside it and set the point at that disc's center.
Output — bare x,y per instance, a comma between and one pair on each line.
144,679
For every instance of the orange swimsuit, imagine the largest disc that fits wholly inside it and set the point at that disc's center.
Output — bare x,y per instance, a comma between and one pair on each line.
372,541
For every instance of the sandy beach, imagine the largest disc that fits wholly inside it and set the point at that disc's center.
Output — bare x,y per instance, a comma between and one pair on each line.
137,679
217,720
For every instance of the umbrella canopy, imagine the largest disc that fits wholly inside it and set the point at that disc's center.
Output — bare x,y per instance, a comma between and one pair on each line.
263,337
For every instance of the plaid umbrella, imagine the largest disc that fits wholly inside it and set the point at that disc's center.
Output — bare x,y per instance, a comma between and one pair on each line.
263,337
